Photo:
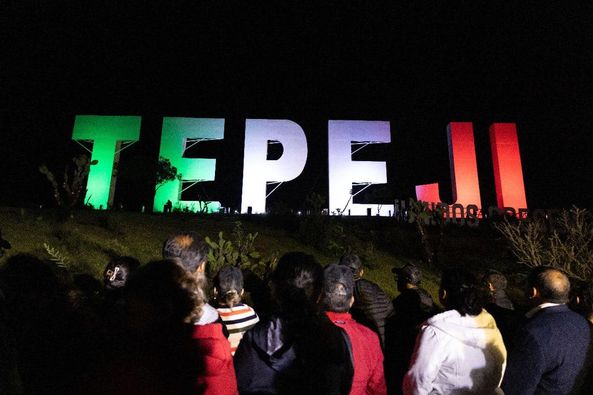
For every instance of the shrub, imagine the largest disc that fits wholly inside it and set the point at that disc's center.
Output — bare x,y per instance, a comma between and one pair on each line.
565,242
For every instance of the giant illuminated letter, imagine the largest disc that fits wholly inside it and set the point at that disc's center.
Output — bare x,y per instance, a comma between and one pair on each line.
344,173
107,134
258,171
508,172
464,168
178,135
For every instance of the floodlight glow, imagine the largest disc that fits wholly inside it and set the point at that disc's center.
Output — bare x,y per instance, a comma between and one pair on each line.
464,169
106,133
344,172
258,171
508,172
179,134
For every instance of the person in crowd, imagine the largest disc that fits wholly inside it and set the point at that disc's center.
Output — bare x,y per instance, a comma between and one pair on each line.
500,305
112,311
43,335
236,316
371,305
497,284
413,306
408,284
296,350
337,298
118,270
549,353
191,251
581,299
460,350
10,378
167,352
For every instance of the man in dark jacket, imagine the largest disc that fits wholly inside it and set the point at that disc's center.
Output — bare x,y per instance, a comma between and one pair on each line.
371,305
549,352
413,306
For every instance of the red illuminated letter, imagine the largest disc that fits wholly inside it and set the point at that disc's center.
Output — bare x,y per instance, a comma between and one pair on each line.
464,168
508,173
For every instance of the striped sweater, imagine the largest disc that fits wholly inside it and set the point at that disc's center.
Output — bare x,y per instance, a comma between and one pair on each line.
237,320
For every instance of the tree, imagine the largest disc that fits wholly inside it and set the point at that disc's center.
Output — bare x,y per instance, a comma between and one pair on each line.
565,242
165,172
421,216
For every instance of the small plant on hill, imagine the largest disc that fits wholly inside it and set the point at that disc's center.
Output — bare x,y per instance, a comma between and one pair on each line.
421,216
58,258
565,242
241,253
67,191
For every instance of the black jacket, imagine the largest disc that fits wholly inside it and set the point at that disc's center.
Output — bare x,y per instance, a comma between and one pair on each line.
549,354
371,306
294,356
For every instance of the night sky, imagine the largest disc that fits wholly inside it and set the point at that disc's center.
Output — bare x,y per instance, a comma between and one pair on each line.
419,65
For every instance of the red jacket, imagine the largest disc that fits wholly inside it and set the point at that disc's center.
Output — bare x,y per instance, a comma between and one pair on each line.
216,373
367,354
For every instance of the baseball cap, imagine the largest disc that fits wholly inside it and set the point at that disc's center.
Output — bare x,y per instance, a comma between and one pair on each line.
411,273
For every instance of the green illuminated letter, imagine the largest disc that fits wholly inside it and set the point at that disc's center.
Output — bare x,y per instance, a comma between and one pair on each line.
178,135
107,134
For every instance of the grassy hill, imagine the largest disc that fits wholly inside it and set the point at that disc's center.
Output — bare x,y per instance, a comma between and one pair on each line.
90,238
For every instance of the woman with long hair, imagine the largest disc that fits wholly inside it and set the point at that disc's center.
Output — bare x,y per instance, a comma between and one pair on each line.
297,350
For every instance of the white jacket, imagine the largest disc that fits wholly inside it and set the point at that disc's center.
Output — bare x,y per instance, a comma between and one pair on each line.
457,355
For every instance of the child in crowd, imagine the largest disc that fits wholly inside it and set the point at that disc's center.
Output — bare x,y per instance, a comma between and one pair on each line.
236,316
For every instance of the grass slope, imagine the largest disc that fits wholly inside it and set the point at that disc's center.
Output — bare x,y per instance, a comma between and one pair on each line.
91,238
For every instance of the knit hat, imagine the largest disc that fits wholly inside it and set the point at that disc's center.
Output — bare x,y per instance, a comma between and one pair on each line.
411,273
338,279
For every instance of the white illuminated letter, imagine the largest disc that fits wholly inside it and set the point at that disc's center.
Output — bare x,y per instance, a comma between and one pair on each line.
258,171
344,172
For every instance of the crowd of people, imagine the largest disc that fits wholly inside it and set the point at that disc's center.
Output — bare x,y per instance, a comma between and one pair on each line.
164,327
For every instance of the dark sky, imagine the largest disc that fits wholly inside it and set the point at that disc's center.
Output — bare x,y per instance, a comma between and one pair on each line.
416,64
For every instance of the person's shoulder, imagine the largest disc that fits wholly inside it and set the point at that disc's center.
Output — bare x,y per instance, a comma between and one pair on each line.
369,287
556,317
366,284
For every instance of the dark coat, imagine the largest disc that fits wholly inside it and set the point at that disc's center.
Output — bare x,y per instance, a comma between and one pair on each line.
411,308
549,353
371,306
289,356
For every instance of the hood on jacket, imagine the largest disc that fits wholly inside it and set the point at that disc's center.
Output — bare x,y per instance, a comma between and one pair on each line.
268,339
478,331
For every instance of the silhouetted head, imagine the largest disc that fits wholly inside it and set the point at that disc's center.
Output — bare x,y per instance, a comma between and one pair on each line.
461,291
118,270
296,281
581,299
548,284
189,248
338,288
162,294
228,285
27,280
354,263
408,276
